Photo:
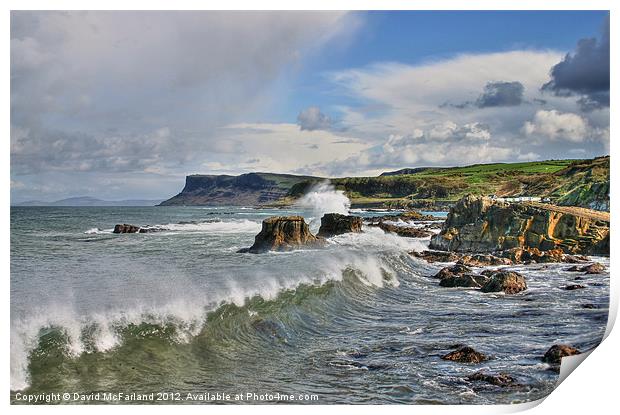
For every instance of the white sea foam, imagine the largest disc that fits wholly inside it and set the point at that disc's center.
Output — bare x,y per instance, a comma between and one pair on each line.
324,198
230,226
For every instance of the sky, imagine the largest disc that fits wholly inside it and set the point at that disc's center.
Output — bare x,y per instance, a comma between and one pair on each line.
124,105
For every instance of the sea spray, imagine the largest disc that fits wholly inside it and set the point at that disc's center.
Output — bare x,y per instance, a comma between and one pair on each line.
324,198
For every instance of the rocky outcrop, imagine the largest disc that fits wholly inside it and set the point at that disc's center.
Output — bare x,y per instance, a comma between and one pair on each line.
481,224
126,228
337,224
465,355
408,216
556,352
284,233
509,282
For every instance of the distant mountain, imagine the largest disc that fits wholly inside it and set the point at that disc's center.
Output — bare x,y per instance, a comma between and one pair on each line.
90,201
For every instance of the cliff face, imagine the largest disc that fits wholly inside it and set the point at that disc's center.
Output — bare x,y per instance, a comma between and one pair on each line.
480,224
252,189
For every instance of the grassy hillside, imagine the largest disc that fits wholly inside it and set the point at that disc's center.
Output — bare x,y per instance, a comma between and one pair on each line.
568,182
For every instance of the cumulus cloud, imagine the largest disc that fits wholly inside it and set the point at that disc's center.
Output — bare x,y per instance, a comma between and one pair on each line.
501,94
557,126
312,119
585,72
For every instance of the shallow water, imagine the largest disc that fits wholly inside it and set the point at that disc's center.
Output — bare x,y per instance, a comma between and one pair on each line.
358,322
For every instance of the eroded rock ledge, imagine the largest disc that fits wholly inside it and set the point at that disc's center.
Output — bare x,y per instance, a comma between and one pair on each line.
481,224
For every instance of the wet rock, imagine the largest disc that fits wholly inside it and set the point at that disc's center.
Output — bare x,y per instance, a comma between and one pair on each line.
436,256
465,355
575,259
483,260
337,224
126,228
284,233
594,268
574,287
509,282
556,352
408,216
500,379
454,270
466,280
407,231
589,306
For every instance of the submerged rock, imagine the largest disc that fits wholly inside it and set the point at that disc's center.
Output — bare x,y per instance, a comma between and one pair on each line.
337,224
500,379
465,355
574,287
284,233
556,352
509,282
482,224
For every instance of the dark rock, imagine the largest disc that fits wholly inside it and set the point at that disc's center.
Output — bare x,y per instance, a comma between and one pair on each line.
575,259
466,280
452,271
483,260
405,216
337,224
465,355
500,379
509,282
436,256
126,228
589,306
407,231
284,233
574,287
556,352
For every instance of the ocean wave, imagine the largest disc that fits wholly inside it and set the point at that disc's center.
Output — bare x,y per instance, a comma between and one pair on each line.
237,313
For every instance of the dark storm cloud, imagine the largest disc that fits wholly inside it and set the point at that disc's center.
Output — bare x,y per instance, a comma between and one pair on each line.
501,94
584,72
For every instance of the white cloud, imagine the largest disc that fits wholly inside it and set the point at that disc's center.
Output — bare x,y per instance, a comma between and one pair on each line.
313,119
555,125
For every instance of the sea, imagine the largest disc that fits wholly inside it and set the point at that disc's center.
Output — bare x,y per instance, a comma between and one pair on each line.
179,316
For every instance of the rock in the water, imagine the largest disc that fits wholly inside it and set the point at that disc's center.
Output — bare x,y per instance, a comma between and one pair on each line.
465,355
594,268
482,224
407,231
454,270
556,352
337,224
465,280
483,260
126,228
574,287
284,233
509,282
436,256
405,216
501,379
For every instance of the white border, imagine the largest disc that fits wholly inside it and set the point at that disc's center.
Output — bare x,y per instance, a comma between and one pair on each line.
593,386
